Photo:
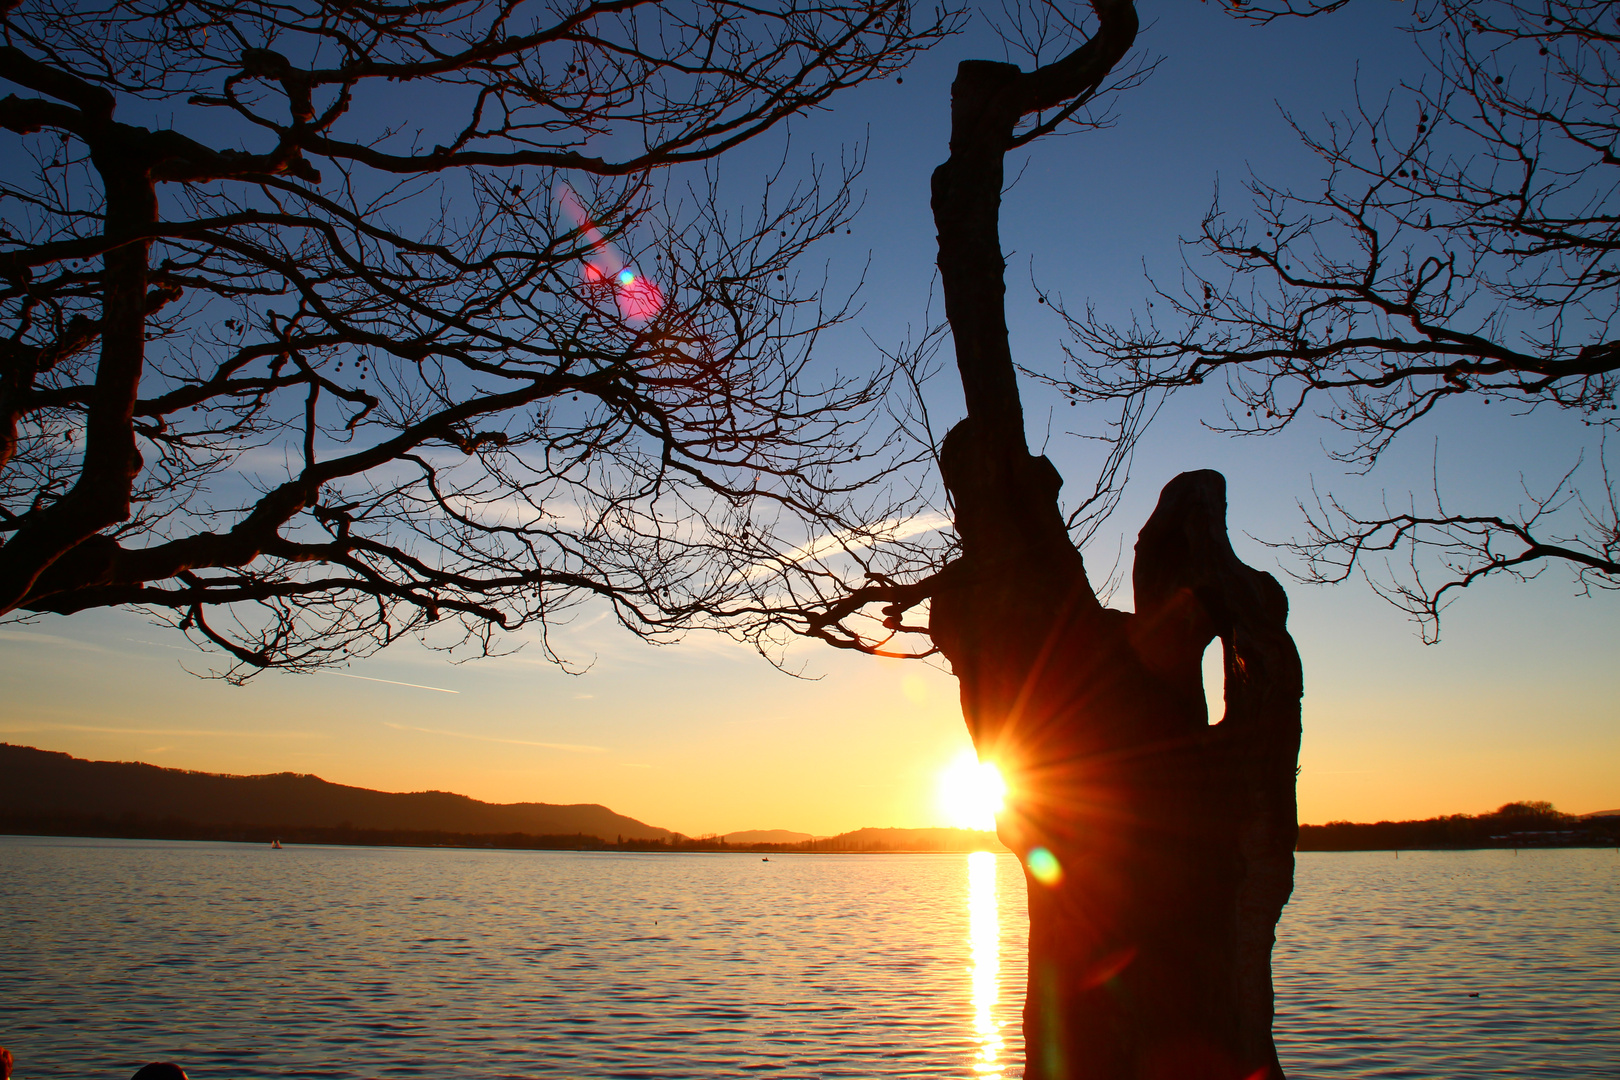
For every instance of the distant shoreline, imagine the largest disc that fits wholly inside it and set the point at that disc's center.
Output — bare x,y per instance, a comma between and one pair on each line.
1334,837
860,842
1514,825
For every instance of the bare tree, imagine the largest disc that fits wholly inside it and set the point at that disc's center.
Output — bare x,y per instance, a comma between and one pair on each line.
604,391
399,313
1463,248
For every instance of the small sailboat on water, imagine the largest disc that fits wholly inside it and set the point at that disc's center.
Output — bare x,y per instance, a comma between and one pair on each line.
275,845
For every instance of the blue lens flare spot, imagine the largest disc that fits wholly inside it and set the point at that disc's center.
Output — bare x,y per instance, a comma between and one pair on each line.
626,277
1044,865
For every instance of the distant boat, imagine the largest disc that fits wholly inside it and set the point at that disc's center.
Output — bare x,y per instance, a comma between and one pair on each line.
276,844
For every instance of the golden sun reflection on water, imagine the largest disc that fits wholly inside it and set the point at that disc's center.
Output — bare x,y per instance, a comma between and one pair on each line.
984,940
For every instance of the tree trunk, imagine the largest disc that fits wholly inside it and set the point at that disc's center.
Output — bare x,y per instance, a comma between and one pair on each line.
1158,848
101,497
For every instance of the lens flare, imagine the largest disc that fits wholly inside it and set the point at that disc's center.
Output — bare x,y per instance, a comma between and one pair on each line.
1045,866
637,298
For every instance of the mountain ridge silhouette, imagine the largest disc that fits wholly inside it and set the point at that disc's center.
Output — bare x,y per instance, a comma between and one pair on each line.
37,782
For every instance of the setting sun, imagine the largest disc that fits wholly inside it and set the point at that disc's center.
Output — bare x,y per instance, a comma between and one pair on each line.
971,792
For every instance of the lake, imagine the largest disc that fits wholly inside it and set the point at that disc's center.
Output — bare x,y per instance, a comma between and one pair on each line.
328,962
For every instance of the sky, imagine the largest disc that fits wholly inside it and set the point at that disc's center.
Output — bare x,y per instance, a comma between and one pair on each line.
1517,701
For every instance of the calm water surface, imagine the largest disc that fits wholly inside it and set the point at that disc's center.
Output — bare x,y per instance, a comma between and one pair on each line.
239,961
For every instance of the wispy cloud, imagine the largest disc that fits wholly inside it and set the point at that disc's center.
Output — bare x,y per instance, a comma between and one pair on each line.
164,732
392,682
574,747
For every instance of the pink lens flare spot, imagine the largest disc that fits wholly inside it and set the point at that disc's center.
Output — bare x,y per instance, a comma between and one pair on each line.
637,298
640,298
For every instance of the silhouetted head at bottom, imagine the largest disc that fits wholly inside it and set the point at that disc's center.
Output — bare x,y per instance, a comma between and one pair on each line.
160,1070
5,1064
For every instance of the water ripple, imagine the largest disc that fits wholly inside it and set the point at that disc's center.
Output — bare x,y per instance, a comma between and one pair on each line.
348,963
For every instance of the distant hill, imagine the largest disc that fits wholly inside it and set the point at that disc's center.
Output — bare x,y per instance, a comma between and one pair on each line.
1601,813
41,784
909,840
767,836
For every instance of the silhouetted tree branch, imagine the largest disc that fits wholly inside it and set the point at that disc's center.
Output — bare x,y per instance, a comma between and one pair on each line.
338,346
1463,248
997,108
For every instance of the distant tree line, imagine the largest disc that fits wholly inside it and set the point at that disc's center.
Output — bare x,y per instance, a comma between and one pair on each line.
132,826
1515,825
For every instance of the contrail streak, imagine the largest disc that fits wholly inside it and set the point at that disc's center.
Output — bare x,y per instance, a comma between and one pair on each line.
393,682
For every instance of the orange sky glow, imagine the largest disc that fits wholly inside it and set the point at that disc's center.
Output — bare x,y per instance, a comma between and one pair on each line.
1520,700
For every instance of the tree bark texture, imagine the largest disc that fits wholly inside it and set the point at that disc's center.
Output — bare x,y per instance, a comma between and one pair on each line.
1158,847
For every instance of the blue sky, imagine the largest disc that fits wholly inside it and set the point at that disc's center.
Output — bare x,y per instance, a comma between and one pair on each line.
1518,700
